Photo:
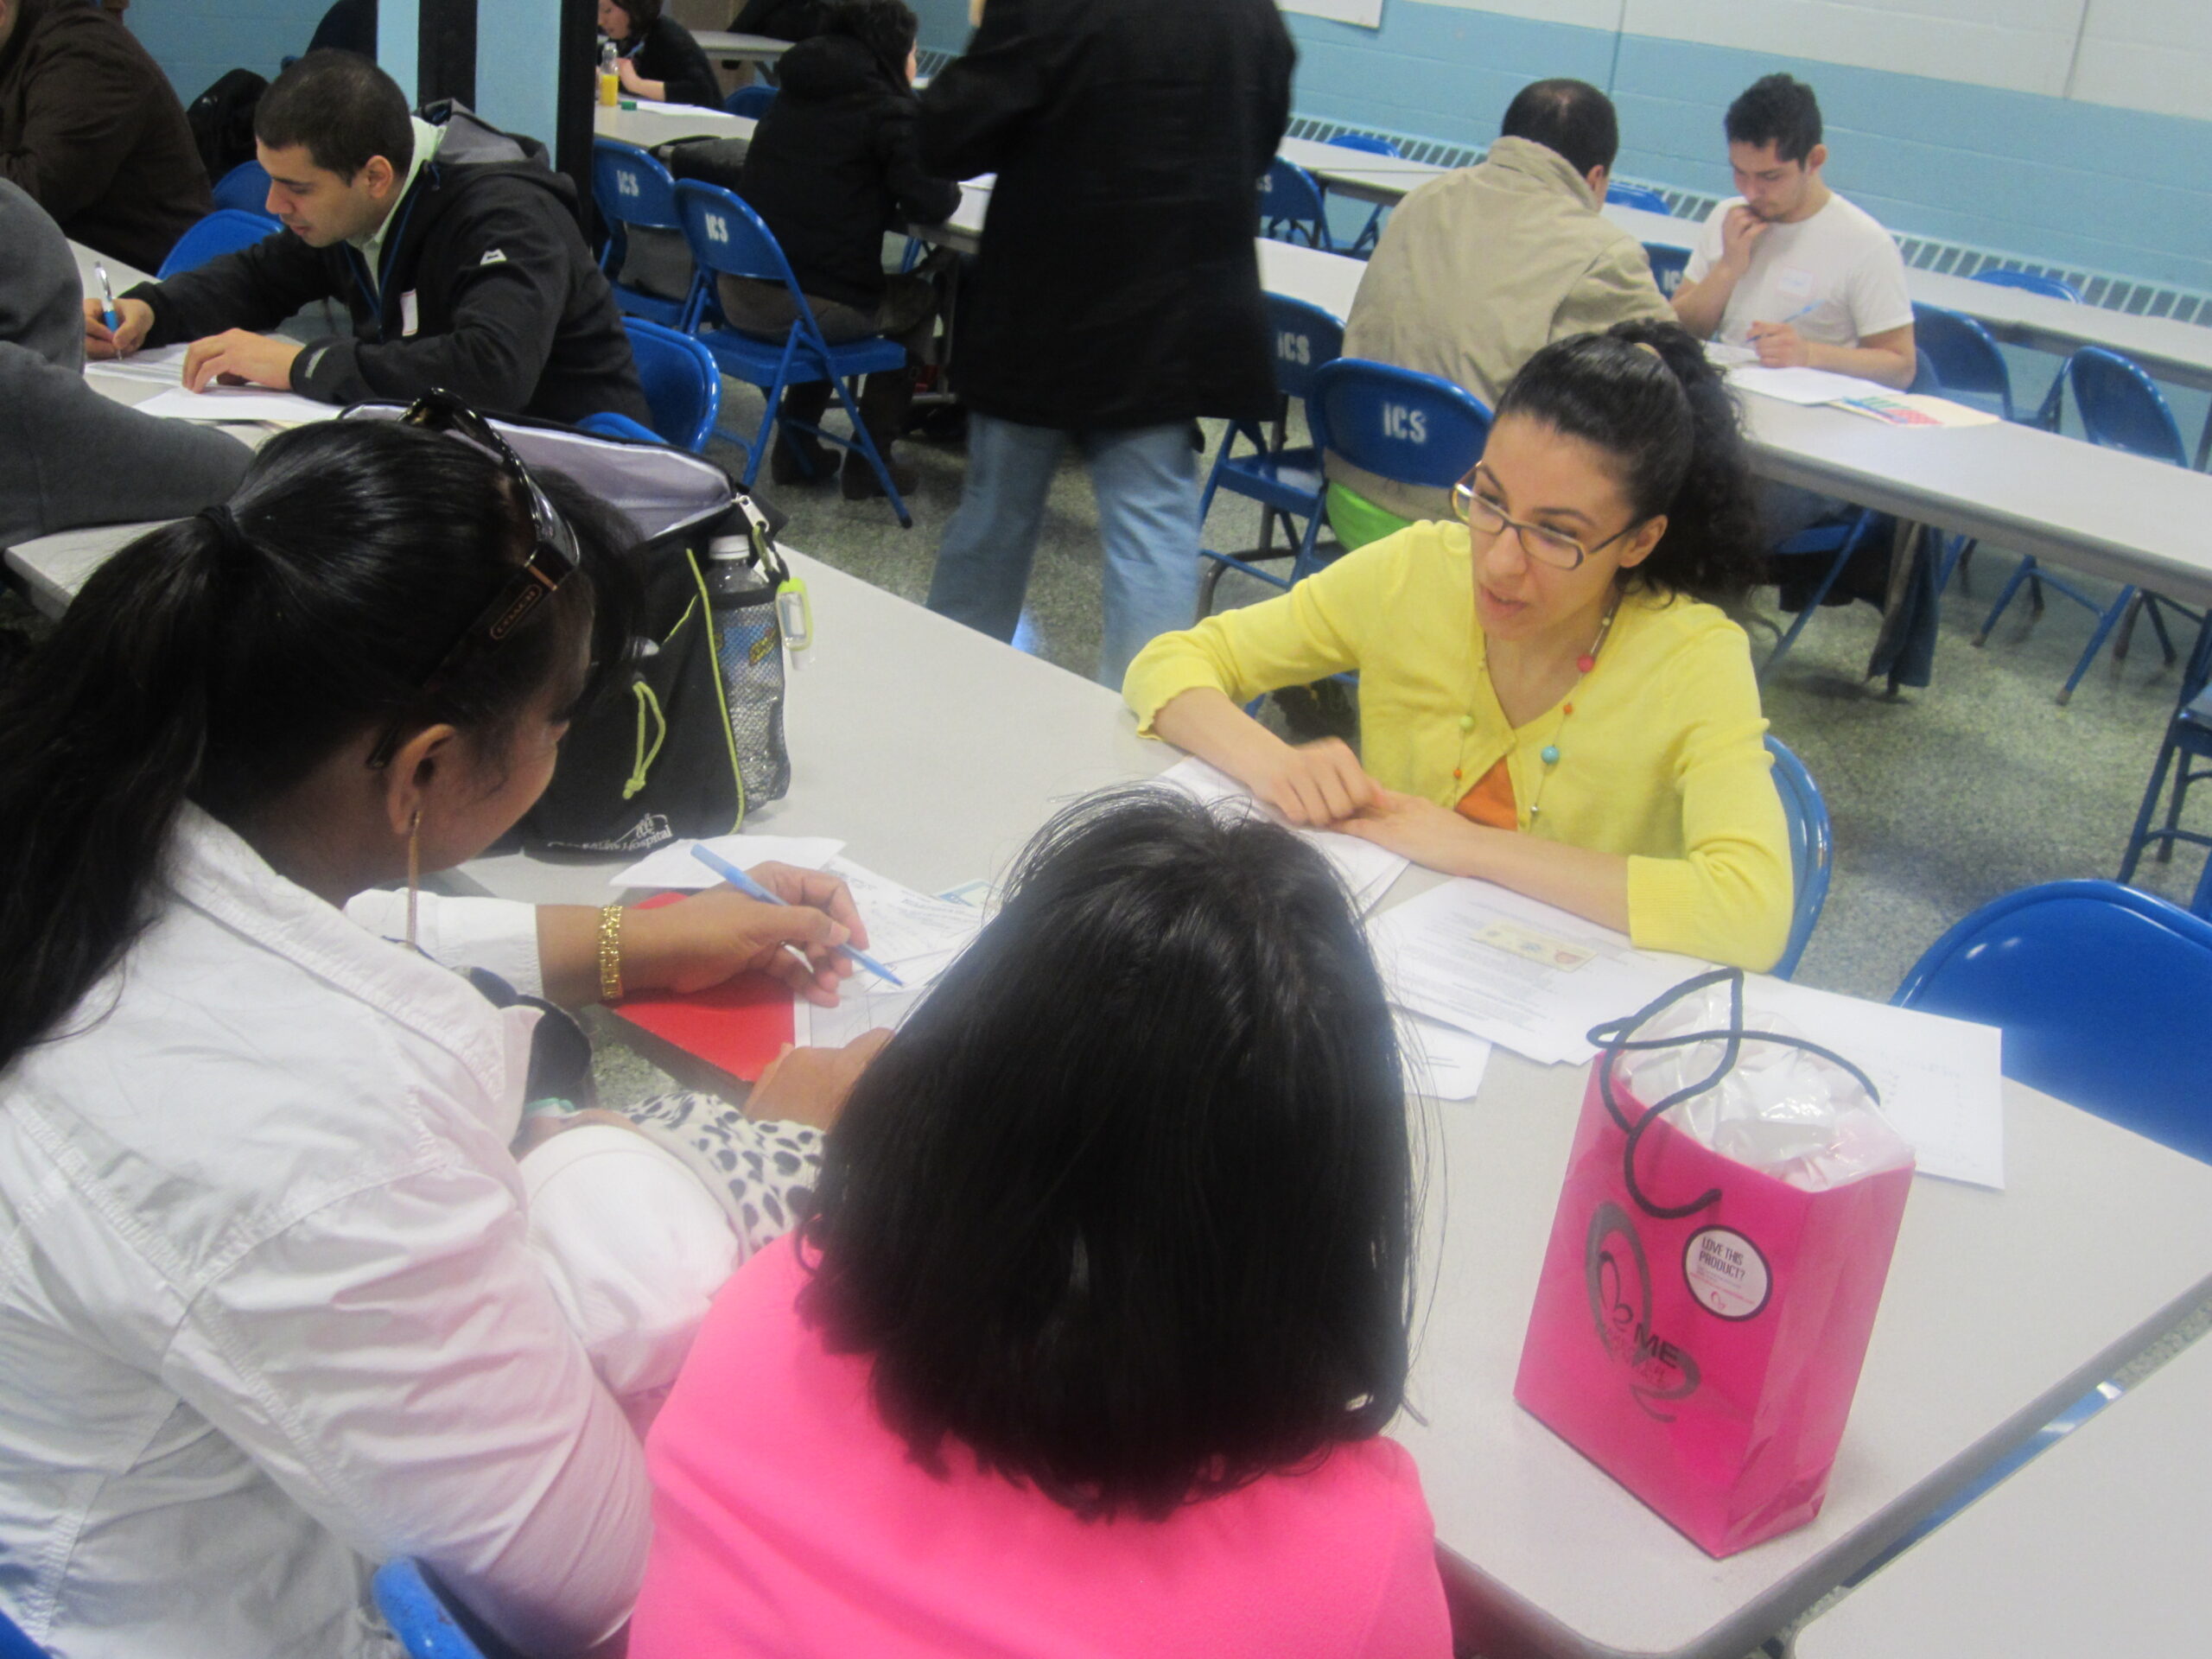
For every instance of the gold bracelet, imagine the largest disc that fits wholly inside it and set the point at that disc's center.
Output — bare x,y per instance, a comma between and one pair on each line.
610,954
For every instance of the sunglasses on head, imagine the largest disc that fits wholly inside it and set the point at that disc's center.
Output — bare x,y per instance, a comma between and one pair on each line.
553,555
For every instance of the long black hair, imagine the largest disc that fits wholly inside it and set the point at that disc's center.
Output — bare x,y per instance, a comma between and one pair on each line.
1643,394
220,662
1126,1207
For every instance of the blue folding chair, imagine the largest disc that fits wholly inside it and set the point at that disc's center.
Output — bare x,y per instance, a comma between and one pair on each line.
224,231
1959,359
2048,412
751,102
1812,850
1639,196
1291,208
2101,991
2187,748
607,424
245,187
1667,266
430,1623
2121,407
1836,540
683,385
634,191
14,1644
1412,428
1371,232
1286,482
729,238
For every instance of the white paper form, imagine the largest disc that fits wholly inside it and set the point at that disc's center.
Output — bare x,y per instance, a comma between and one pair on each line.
864,1004
1941,1080
914,934
1805,386
160,365
1517,972
226,404
673,868
1368,870
1438,1061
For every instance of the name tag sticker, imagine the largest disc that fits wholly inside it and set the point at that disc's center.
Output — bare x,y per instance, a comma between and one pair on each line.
1795,283
409,315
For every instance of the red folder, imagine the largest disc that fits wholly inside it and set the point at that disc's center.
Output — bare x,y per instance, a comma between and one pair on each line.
736,1027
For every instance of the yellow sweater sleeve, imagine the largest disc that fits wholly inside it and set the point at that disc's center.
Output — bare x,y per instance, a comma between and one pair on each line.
1314,631
1728,898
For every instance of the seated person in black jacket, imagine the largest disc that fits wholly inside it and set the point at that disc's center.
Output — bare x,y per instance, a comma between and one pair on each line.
832,167
655,56
453,245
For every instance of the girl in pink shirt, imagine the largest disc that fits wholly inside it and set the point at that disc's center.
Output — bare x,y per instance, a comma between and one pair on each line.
1087,1346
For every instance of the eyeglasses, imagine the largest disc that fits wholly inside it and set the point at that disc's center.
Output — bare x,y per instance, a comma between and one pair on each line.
1555,548
553,556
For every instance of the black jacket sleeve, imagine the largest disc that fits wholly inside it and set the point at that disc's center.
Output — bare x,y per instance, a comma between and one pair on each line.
256,288
975,111
922,199
506,305
670,56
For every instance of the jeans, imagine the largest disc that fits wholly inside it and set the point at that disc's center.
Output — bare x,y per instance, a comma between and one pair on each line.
1147,482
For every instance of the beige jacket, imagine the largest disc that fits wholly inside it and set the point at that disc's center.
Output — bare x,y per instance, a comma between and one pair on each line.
1478,270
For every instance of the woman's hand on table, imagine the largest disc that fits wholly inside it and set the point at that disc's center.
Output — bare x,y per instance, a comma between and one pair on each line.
1434,837
1320,784
809,1086
719,933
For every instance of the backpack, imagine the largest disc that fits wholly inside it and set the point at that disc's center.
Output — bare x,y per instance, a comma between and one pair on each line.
667,753
221,120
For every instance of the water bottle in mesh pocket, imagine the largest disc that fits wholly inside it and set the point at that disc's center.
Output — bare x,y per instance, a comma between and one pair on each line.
743,576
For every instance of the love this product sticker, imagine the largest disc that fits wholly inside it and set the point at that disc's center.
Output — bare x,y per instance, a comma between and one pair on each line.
1725,1272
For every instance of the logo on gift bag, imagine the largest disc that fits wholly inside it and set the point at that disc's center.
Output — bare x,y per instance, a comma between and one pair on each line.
1620,1300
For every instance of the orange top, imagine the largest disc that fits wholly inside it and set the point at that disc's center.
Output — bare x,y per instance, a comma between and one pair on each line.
1490,801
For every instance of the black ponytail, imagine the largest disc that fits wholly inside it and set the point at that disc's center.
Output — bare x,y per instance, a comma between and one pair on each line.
220,658
1644,393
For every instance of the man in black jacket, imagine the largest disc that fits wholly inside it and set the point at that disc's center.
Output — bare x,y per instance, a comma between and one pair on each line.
453,245
1116,296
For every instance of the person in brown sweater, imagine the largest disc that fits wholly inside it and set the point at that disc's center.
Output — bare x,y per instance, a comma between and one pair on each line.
91,131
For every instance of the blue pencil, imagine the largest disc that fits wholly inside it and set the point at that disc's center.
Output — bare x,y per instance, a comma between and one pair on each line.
752,889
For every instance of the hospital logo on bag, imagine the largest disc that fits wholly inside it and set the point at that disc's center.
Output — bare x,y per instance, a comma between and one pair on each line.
1620,1299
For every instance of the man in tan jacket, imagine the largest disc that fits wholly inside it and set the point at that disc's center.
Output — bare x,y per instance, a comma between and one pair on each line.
1479,269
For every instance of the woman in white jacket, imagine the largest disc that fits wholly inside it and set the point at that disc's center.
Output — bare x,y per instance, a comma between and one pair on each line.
268,1313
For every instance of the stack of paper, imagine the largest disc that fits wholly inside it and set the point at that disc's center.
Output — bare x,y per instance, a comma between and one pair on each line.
1804,385
1368,870
864,1004
1505,968
911,933
1479,959
161,366
1438,1061
226,404
673,868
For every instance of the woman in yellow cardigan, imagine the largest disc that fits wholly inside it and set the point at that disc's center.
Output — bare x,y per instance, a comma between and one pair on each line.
1550,697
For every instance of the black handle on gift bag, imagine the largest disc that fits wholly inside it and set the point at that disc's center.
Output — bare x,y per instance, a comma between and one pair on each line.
1613,1040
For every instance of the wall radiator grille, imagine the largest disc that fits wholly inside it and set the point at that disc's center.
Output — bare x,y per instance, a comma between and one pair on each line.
1922,253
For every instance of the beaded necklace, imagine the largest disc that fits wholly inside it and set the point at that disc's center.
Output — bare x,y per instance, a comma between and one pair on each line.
1549,753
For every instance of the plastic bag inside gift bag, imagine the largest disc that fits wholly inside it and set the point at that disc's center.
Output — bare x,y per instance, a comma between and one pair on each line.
1715,1264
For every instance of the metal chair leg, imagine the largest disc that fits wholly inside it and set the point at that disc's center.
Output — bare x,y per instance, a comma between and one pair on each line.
2027,568
2140,836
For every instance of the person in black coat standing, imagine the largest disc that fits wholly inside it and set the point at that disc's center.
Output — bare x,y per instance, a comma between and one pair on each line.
655,56
1116,296
833,165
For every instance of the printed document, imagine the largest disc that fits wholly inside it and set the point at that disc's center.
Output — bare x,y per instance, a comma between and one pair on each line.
674,869
229,404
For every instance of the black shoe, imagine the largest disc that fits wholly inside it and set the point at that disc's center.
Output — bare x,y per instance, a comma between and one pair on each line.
784,460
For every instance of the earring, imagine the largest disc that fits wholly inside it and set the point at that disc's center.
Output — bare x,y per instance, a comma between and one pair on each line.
414,870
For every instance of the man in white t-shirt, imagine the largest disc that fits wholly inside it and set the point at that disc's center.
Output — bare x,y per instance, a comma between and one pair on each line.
1789,267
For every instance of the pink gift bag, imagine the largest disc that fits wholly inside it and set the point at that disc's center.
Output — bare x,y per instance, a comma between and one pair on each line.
1699,1322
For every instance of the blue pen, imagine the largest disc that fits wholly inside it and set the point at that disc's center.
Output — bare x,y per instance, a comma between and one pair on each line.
108,313
752,889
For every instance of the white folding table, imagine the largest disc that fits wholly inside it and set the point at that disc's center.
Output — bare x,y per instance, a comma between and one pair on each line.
2097,1546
